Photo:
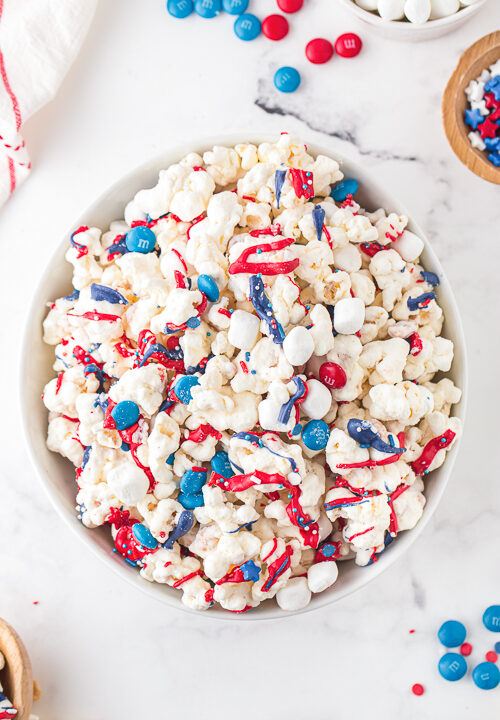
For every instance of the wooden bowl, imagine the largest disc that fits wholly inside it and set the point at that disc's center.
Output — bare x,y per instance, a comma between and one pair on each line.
474,60
16,676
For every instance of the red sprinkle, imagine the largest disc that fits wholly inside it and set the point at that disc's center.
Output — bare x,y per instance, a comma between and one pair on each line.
319,51
465,649
411,631
275,27
491,656
417,689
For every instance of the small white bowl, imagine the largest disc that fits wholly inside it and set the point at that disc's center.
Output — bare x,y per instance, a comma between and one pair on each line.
57,474
405,30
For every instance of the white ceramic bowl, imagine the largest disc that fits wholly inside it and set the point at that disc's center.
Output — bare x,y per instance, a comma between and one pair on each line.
57,474
405,30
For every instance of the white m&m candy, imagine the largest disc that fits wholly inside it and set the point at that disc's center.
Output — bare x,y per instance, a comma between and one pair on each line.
409,246
349,316
318,400
322,575
129,483
295,596
298,345
418,11
243,330
391,9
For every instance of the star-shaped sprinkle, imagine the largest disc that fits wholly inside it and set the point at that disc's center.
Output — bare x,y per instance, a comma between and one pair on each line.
495,159
488,129
490,101
473,118
492,143
250,571
476,141
481,106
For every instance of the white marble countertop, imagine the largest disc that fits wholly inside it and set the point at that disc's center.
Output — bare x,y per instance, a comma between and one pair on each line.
102,650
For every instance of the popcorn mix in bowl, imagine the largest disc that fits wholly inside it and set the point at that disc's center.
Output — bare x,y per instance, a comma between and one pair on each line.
250,377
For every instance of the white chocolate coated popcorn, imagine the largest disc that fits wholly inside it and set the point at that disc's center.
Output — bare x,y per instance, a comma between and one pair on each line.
192,375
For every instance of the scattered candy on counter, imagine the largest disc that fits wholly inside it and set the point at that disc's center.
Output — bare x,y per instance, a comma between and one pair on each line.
453,666
483,114
417,689
416,11
248,27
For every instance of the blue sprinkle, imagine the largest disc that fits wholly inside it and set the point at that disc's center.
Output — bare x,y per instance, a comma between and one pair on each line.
417,303
452,667
180,8
344,188
106,294
125,447
492,143
287,79
430,277
328,550
247,27
279,180
250,571
207,9
473,118
318,215
494,158
493,83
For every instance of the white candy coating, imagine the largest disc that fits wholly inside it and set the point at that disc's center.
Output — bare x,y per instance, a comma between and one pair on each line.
298,346
321,576
295,596
349,315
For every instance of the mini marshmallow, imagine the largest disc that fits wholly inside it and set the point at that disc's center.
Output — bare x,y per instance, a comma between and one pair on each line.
318,400
409,246
298,346
367,4
418,11
294,596
349,316
128,482
321,576
243,330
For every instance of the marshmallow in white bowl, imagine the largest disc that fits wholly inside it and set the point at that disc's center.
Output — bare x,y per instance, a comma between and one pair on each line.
243,330
294,596
321,576
318,400
349,316
409,246
298,345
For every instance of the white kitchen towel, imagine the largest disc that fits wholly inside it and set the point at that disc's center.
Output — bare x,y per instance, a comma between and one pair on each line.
39,39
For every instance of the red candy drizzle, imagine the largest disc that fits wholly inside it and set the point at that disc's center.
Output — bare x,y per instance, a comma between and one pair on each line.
303,183
243,265
421,465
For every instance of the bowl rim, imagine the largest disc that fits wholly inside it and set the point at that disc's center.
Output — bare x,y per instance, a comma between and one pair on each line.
405,25
173,153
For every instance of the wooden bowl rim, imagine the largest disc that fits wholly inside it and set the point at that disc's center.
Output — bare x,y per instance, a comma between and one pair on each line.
453,122
17,671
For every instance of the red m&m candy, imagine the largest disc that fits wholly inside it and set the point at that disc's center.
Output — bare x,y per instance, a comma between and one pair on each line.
290,6
332,375
348,45
275,27
319,51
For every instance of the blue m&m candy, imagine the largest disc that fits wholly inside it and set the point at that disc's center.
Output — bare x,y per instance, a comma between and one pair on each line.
486,676
452,633
125,414
190,500
193,322
315,434
208,286
452,667
192,481
207,8
234,7
343,189
180,8
140,239
247,27
183,387
221,465
491,618
286,79
144,536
